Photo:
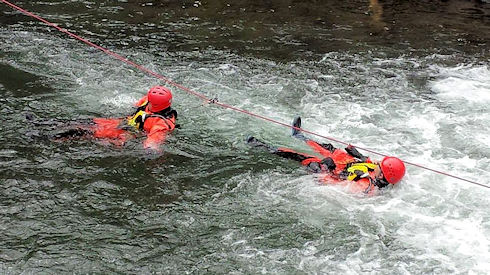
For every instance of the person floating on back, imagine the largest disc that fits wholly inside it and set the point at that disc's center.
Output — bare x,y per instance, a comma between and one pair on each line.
347,167
154,116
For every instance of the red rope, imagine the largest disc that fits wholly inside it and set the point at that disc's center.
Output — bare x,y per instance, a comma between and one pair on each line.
183,88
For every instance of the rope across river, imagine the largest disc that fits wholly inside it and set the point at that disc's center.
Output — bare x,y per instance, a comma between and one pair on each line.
214,101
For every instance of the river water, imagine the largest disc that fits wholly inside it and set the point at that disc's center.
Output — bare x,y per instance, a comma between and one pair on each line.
407,78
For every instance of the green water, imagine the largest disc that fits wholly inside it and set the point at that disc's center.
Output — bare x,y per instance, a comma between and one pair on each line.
408,78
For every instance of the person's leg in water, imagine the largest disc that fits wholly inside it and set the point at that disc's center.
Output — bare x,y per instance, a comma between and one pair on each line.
99,128
312,163
337,156
105,129
280,151
325,149
57,130
73,134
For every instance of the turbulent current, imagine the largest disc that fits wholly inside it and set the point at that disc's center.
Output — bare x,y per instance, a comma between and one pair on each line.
404,78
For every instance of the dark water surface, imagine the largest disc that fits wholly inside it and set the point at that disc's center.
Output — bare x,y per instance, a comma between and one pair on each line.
406,77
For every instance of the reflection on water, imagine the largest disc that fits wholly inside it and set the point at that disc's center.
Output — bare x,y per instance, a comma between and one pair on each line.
281,30
376,10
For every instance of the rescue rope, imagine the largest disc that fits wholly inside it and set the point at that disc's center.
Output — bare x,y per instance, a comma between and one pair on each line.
214,100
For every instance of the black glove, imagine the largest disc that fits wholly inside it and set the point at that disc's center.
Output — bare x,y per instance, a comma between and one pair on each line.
329,163
353,152
314,167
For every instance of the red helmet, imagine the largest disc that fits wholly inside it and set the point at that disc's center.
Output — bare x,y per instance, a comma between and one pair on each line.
393,169
160,98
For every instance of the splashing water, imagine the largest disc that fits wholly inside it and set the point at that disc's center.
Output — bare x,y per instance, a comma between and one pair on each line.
210,203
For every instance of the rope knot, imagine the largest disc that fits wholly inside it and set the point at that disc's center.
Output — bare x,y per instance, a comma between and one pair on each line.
213,100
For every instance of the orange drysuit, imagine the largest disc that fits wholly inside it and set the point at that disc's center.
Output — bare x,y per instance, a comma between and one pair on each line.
335,166
155,125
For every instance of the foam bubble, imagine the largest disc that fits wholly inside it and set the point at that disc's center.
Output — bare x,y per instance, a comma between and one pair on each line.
464,82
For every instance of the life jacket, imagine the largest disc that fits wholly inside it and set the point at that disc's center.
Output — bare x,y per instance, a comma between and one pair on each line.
341,158
359,170
137,119
357,176
350,168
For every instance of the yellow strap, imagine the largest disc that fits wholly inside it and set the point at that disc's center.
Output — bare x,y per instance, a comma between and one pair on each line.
144,103
364,167
132,120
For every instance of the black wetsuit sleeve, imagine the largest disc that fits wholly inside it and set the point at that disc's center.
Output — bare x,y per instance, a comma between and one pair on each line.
291,155
351,150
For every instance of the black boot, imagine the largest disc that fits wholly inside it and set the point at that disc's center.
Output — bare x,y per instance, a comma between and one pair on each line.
252,141
73,133
296,132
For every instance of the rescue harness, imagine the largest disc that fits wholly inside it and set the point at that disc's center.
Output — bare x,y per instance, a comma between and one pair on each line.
363,170
137,119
